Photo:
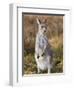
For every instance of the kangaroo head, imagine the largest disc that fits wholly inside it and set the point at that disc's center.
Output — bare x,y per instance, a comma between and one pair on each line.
42,27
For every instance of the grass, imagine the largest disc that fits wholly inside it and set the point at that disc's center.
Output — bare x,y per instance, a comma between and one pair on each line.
30,64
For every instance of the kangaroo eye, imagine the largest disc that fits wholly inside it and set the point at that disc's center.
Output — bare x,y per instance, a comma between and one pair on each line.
42,26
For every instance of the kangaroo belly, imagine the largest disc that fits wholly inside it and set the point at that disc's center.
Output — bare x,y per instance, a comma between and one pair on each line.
42,65
43,62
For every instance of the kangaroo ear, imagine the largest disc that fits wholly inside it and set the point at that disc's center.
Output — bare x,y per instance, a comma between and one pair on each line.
38,21
45,20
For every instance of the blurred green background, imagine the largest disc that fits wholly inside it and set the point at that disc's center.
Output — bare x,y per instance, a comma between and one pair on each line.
55,38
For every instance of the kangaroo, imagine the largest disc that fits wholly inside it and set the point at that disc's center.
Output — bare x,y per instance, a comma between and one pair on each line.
43,53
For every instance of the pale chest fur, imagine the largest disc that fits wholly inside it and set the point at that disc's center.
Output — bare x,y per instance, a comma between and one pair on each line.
41,41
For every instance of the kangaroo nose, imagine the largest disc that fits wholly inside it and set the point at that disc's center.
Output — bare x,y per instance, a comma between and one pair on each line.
44,30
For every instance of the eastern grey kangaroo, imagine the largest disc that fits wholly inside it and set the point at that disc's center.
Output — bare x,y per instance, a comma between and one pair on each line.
43,53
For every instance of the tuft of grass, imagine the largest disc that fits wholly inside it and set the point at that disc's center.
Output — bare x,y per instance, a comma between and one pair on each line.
30,64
